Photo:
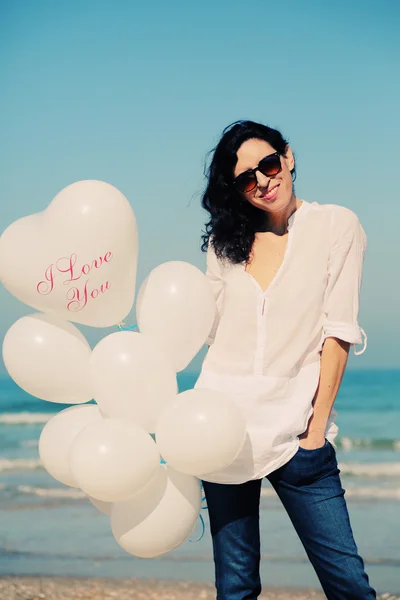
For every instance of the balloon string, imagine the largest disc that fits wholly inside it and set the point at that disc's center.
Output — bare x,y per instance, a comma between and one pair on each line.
203,527
121,327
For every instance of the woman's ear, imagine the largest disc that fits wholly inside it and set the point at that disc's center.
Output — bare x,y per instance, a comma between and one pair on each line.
289,158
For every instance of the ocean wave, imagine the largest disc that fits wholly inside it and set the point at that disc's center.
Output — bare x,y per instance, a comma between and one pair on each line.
24,417
364,492
354,492
348,443
343,443
52,492
30,443
76,494
387,469
19,464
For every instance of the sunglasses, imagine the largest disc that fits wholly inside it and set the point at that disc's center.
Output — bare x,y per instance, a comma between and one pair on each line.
269,166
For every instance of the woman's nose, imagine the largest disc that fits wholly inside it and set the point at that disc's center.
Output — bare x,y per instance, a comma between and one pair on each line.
262,180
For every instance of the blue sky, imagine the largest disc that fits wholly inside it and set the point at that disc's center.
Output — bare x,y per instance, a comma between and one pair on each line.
136,94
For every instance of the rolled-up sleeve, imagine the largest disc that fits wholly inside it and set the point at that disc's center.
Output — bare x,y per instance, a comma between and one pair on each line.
348,246
214,274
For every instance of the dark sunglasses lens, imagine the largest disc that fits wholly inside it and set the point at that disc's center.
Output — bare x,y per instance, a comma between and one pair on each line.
270,166
246,182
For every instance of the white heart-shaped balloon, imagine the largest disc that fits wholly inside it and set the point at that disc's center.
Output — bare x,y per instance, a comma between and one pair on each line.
77,258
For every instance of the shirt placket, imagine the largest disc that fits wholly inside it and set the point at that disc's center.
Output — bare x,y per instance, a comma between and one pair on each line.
261,333
262,309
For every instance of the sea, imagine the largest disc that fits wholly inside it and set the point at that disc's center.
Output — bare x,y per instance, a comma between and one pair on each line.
47,528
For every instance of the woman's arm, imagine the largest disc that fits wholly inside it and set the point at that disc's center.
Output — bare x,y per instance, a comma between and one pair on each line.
341,328
334,357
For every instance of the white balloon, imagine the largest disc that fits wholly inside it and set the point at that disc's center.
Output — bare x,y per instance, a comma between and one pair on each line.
113,459
48,358
103,507
202,431
132,378
77,258
176,306
160,518
57,436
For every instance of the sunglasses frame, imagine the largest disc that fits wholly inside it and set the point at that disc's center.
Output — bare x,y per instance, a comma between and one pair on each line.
253,172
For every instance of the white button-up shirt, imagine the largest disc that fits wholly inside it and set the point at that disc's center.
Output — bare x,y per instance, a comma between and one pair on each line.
265,346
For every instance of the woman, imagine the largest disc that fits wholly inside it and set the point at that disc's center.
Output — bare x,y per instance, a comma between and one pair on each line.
286,275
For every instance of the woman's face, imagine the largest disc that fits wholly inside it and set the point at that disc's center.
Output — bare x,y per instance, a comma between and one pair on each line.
271,194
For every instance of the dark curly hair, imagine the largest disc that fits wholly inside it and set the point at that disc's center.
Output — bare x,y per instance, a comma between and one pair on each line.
233,221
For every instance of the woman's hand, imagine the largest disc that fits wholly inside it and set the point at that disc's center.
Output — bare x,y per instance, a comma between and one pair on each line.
312,440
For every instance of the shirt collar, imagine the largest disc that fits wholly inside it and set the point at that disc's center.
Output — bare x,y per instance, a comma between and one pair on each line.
299,213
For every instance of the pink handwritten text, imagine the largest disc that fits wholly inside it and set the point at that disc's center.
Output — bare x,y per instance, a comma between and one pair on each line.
71,271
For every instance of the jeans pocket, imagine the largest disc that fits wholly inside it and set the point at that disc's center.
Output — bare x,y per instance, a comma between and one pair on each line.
326,444
307,466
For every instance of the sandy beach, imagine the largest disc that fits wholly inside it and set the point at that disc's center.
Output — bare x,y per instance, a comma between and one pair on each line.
66,588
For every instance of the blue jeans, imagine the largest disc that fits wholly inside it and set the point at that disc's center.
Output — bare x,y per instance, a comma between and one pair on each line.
310,489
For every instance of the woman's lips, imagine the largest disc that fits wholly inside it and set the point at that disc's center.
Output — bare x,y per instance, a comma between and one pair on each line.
271,195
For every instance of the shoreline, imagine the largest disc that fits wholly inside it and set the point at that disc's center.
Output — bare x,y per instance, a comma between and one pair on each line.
85,588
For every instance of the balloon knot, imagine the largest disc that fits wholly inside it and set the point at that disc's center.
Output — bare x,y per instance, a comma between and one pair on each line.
122,324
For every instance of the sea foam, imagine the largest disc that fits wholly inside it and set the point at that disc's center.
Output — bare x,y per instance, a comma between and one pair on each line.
386,469
52,492
24,417
19,464
354,492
